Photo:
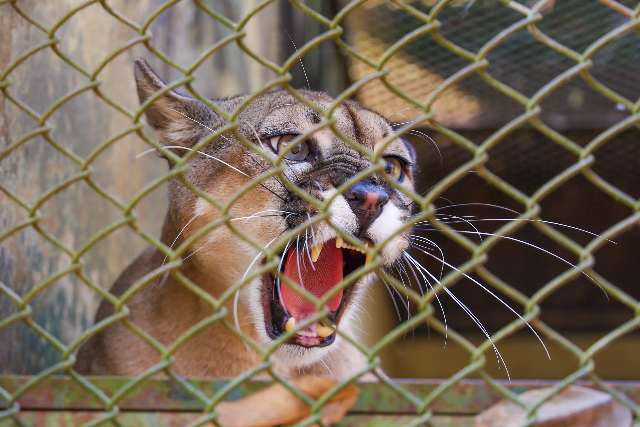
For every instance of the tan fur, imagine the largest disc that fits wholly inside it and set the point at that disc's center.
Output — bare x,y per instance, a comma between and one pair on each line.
165,309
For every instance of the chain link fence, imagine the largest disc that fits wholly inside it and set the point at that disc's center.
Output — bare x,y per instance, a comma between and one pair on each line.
64,167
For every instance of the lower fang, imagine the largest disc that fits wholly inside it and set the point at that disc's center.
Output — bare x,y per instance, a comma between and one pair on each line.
325,331
315,252
290,325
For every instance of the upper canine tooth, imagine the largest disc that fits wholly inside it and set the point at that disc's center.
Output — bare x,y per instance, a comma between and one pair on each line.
315,252
290,325
339,242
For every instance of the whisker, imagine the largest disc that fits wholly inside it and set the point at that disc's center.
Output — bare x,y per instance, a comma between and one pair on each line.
215,158
471,219
473,317
277,286
531,245
329,371
413,273
306,247
490,292
490,205
255,215
306,78
313,233
399,272
255,133
391,290
192,119
166,275
232,219
402,263
298,261
236,296
427,138
197,151
461,218
313,237
444,316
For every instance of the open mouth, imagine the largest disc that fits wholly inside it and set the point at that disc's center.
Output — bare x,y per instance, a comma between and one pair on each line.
318,270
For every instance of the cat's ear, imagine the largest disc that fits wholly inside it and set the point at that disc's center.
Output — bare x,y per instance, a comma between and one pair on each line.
179,119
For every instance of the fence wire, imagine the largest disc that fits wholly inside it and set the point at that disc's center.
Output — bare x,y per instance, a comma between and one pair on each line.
430,30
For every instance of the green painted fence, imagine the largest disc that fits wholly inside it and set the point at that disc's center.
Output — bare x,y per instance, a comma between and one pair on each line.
70,218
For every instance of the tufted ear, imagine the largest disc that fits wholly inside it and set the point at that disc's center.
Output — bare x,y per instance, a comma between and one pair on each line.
178,119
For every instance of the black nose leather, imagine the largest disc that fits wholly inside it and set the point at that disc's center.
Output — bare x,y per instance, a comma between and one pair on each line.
366,200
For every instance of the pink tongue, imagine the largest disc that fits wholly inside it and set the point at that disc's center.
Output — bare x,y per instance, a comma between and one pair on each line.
327,274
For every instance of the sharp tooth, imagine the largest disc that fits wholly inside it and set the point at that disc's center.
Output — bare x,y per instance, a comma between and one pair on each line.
368,259
366,247
325,331
290,325
339,242
315,252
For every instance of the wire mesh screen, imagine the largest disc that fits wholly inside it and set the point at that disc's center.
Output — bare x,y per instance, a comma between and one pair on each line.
209,215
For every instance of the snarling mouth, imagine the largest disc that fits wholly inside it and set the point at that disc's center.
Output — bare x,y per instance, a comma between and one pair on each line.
318,270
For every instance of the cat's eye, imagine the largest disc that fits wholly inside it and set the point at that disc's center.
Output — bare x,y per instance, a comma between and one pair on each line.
394,167
297,153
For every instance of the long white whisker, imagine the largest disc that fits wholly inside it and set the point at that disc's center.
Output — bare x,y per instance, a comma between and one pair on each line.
490,205
524,242
256,215
236,297
391,290
277,286
490,292
401,264
166,275
329,371
431,140
433,244
298,261
306,78
306,247
232,219
413,273
413,261
473,317
255,133
179,147
399,272
313,233
313,237
462,219
192,119
471,218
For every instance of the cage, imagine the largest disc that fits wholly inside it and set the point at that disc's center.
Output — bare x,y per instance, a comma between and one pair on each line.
524,117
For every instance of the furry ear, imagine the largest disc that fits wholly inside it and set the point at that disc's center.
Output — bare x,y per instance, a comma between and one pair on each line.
178,119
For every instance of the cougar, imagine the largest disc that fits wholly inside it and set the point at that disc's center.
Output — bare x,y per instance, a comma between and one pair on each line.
362,210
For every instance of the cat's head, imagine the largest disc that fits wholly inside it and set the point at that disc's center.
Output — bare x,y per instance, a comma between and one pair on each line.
261,206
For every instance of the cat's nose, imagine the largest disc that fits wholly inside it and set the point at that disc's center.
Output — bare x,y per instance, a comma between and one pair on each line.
366,200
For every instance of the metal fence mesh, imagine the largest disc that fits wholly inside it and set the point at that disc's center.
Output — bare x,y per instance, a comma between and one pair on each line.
371,71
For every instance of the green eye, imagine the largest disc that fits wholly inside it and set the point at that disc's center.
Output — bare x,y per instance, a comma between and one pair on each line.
298,153
394,168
